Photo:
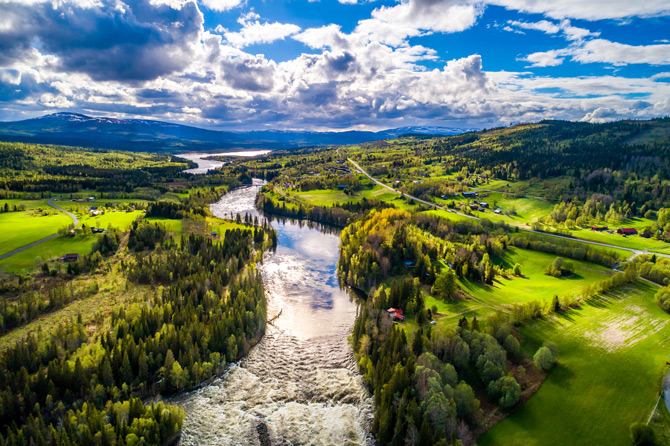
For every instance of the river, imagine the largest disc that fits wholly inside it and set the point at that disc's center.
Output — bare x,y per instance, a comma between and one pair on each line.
205,164
299,385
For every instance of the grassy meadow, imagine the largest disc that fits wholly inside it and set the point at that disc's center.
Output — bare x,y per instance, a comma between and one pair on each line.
56,247
534,284
18,229
612,354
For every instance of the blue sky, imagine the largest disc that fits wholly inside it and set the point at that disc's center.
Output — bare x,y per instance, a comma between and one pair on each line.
335,65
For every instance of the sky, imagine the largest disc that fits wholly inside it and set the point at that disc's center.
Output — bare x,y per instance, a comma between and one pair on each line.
336,65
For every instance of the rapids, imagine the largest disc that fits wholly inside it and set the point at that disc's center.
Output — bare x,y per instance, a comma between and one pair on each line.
300,384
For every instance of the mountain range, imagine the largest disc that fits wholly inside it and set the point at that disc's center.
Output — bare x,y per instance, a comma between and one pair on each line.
145,135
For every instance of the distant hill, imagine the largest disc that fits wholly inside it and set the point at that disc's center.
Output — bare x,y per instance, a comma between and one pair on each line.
145,135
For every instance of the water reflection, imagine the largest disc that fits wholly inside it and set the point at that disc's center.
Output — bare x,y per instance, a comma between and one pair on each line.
206,164
300,383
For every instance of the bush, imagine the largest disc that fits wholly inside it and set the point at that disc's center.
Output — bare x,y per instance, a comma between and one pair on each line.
663,298
559,267
506,390
641,434
544,358
445,284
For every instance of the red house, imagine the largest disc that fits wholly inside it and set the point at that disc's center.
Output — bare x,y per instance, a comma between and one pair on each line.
395,314
627,231
599,228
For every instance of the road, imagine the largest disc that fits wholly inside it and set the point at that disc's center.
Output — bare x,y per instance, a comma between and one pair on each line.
72,216
634,252
30,245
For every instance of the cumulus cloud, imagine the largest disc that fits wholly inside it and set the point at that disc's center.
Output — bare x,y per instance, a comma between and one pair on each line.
221,5
600,114
564,27
393,24
253,31
603,51
588,10
108,41
154,57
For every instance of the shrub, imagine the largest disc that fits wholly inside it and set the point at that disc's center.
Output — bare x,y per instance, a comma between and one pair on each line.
663,298
544,358
506,390
641,434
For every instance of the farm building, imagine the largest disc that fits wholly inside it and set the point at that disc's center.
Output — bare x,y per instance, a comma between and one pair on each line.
599,228
71,257
470,194
395,314
627,231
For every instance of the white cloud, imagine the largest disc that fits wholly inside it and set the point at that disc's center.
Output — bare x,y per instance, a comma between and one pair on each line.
543,25
588,10
600,115
564,27
393,24
253,31
603,51
323,37
221,5
550,58
372,76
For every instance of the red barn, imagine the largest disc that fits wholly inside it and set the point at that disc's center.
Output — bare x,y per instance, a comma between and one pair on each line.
627,231
395,314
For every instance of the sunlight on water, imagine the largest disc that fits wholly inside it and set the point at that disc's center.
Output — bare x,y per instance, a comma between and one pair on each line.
204,164
301,381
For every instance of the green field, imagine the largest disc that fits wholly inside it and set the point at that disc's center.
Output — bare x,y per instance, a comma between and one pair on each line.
612,355
633,242
21,228
56,247
27,204
526,209
172,225
330,197
116,219
534,285
78,207
221,226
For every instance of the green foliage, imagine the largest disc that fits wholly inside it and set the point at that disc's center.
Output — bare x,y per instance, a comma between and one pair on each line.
572,250
663,298
641,434
506,391
62,169
544,358
559,267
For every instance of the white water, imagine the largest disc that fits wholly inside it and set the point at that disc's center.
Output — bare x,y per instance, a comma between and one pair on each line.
301,380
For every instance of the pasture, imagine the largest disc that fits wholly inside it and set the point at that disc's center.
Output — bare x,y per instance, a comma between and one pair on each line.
534,284
56,247
18,229
612,354
114,218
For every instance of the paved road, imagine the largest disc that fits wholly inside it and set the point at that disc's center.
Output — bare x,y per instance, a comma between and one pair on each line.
30,245
72,216
634,252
